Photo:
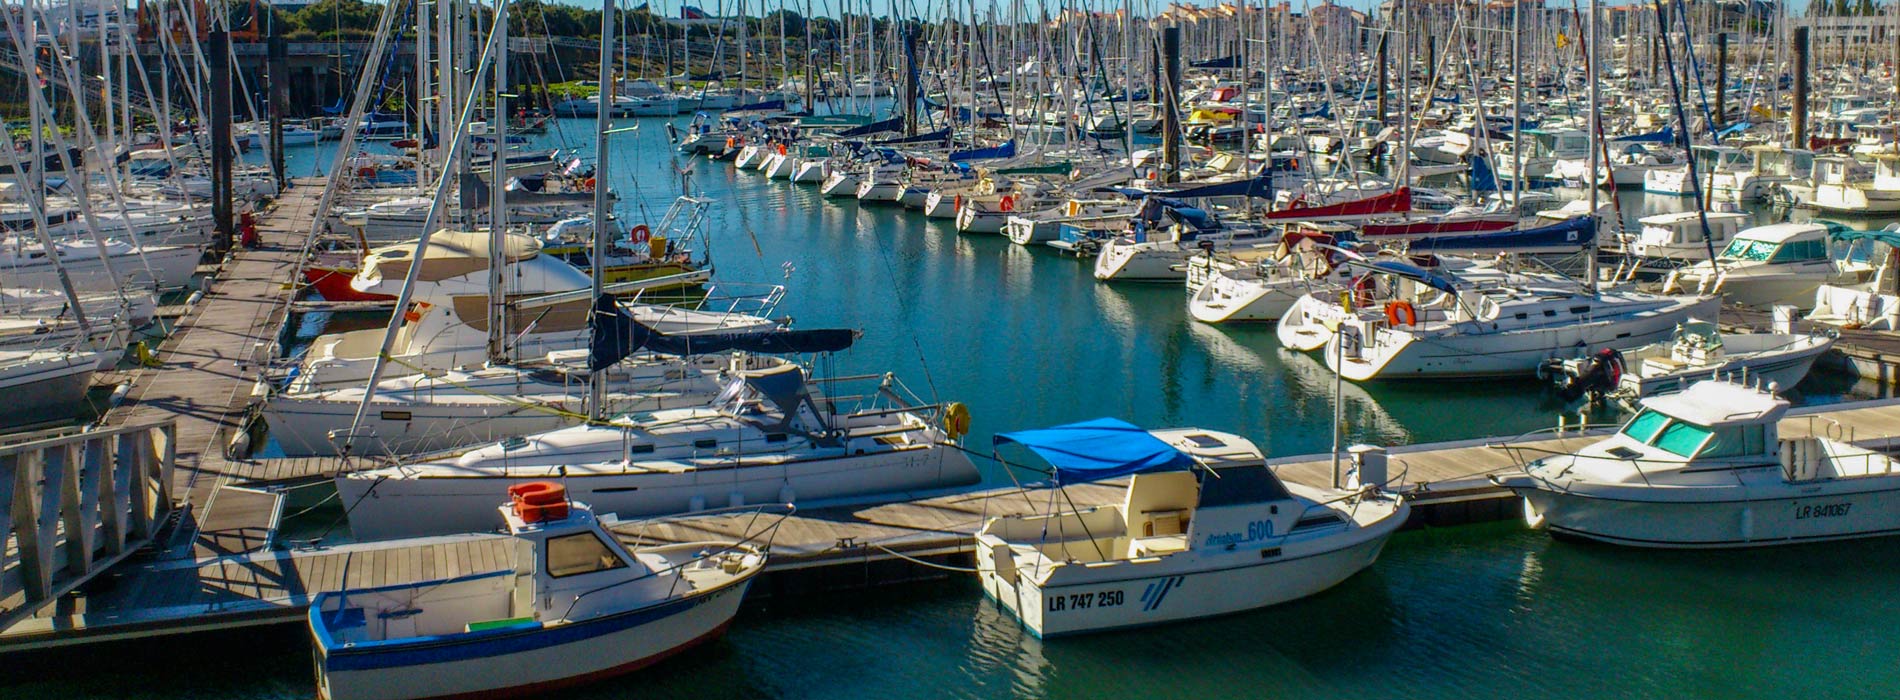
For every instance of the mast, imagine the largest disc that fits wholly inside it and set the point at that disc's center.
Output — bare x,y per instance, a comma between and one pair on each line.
497,193
1590,180
603,123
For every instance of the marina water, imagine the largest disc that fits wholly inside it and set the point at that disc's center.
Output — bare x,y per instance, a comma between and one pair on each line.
1027,338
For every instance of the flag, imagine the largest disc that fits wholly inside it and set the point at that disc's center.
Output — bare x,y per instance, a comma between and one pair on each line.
1562,41
690,12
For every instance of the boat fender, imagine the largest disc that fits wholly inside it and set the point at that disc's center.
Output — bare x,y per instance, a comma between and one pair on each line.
641,233
956,420
119,392
1401,313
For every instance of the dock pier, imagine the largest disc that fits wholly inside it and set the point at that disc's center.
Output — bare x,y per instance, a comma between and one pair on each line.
187,540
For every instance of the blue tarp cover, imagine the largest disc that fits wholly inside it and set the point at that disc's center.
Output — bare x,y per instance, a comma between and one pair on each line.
893,124
1007,150
1103,448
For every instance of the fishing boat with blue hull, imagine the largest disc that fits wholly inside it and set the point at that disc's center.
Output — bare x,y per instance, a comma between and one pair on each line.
1206,529
1707,468
576,606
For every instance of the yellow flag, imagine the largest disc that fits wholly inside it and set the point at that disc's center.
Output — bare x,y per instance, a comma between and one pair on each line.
1562,41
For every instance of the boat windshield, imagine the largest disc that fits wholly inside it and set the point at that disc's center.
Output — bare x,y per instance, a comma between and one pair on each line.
1750,250
1674,436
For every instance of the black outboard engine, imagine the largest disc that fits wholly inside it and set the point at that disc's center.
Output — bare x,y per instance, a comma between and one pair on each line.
1596,376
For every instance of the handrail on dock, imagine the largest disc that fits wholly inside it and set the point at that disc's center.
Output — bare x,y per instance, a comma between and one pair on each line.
73,505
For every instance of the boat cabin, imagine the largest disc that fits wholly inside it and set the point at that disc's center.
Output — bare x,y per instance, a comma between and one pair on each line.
1682,235
1780,244
565,566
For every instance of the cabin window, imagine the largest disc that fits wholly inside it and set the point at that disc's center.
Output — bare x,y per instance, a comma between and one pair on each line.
1238,485
1737,441
705,443
1681,439
640,449
776,437
1797,251
1745,249
1643,427
580,553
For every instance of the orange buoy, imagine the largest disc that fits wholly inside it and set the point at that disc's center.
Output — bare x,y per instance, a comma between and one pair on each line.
641,233
1401,313
539,501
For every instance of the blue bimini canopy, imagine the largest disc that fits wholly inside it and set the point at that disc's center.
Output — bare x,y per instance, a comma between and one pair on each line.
1413,272
1103,448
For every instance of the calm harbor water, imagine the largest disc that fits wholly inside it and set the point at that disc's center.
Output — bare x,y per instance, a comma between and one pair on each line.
1027,338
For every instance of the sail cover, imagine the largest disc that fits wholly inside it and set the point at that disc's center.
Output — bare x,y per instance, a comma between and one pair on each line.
615,335
1561,237
1103,448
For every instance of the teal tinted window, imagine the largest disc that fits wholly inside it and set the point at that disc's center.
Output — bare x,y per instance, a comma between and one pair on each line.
1744,249
1681,439
1644,426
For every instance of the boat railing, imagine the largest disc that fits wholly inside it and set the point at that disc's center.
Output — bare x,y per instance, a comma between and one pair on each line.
756,540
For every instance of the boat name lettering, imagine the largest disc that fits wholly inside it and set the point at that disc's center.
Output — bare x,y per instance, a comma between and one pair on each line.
1083,601
1256,531
1827,510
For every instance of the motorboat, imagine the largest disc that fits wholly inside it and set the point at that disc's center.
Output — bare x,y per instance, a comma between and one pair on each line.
1699,351
1205,528
1838,190
1672,240
773,437
1773,264
1410,323
1708,468
576,604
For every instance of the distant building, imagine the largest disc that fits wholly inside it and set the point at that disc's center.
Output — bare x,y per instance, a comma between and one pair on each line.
1849,31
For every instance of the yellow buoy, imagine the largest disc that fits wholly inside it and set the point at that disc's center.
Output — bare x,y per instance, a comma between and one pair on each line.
956,419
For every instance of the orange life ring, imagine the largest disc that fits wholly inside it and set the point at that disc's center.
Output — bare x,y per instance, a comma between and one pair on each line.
587,185
366,171
1401,313
1008,203
641,233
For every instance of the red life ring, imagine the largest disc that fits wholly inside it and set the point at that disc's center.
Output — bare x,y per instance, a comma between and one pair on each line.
1401,313
539,501
587,185
366,171
641,233
1008,204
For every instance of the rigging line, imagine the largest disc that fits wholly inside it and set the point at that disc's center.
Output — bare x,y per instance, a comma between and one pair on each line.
903,305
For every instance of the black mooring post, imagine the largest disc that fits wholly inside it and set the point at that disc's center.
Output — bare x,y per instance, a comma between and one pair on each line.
219,48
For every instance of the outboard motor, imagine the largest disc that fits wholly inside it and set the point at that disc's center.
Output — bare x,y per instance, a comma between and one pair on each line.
1595,376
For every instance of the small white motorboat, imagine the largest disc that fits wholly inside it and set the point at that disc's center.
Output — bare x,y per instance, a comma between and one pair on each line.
576,605
1706,468
1699,351
1206,529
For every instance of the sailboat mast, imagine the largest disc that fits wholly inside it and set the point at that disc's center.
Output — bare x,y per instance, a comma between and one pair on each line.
497,194
1590,180
603,122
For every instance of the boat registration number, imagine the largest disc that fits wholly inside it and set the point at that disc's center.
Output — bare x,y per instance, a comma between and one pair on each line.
1825,510
1083,601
